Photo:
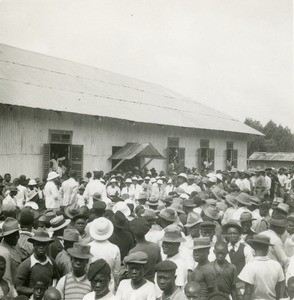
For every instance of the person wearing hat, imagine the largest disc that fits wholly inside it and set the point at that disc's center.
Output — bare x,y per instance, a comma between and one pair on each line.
207,229
168,216
152,203
263,277
9,248
239,252
277,228
38,263
182,180
136,188
243,204
10,196
26,221
137,287
139,228
70,236
260,184
99,275
192,186
211,213
204,273
127,189
281,211
157,190
289,242
6,288
80,196
69,189
231,204
75,284
51,192
262,223
101,230
95,186
121,236
246,223
112,189
22,194
171,243
58,225
69,212
80,223
166,280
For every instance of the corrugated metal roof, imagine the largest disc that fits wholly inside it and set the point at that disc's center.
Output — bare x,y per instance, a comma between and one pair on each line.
272,156
130,150
36,80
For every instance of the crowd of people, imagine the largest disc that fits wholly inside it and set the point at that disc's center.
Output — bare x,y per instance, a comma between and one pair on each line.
140,235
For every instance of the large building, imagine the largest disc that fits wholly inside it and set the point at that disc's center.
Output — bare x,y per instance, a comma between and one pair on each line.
50,106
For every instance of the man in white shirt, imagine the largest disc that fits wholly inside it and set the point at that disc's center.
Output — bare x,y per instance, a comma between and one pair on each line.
22,195
136,187
263,276
95,186
127,189
69,189
182,180
51,192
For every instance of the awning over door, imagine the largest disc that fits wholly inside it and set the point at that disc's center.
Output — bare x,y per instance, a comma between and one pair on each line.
130,150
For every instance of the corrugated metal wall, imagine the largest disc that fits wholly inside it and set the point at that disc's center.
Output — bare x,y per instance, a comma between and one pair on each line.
25,130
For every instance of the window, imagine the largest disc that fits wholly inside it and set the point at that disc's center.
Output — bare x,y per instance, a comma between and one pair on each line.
175,155
231,156
205,156
60,137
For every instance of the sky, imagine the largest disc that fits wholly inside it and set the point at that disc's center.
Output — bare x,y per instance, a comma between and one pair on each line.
233,55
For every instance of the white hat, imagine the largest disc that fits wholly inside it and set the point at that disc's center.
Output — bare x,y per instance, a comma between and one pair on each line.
183,175
184,196
140,179
113,180
169,181
147,178
32,204
52,175
219,176
101,229
122,206
32,182
159,181
212,179
128,180
153,180
134,178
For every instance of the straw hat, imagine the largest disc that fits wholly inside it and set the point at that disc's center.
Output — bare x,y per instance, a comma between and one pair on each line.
52,175
178,208
71,235
260,239
246,216
172,234
234,224
183,175
80,250
202,243
211,212
72,210
113,180
40,235
9,226
193,219
58,222
101,229
32,182
169,214
149,214
122,206
244,198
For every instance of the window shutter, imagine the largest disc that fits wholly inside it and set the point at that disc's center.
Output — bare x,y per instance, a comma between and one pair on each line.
204,143
181,159
235,158
65,138
211,157
46,159
77,152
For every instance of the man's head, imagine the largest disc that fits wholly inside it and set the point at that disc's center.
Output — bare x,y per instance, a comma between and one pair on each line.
40,248
260,243
72,174
99,276
207,229
139,227
170,248
80,222
172,240
192,290
201,249
278,225
52,294
220,251
40,285
7,177
135,263
166,275
26,220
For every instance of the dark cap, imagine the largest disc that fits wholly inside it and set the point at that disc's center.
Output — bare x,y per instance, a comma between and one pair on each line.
99,205
138,257
165,266
139,226
98,266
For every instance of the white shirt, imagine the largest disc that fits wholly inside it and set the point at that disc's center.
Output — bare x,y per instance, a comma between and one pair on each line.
193,188
136,190
263,273
94,186
21,196
238,212
68,191
282,179
111,191
91,296
8,199
125,291
127,190
268,182
107,251
51,195
246,184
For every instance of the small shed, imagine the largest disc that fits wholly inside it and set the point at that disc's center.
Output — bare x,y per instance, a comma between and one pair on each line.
271,159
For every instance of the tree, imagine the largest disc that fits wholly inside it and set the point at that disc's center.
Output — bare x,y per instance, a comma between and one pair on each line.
276,138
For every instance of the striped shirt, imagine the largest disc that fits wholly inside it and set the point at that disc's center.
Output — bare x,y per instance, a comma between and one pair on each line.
72,287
